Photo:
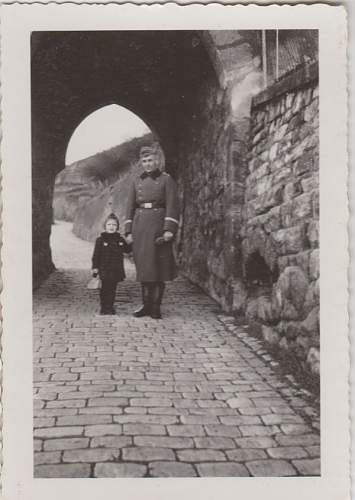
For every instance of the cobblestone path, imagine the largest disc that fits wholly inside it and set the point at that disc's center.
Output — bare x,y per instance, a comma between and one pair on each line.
189,395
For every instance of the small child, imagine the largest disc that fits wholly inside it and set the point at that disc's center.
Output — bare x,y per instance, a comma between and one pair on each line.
107,262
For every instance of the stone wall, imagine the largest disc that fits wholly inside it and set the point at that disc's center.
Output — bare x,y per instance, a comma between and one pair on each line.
212,169
280,232
202,175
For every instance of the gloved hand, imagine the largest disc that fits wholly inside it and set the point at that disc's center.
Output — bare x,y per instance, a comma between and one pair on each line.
168,236
95,272
129,239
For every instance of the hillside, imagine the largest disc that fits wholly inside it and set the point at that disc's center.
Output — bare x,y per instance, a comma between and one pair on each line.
83,180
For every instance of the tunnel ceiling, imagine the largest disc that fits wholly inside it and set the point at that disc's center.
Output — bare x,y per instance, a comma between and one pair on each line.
155,74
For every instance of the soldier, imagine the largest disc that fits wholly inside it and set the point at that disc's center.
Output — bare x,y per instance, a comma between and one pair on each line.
152,222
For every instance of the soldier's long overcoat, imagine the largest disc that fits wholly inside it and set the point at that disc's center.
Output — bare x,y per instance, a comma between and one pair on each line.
153,262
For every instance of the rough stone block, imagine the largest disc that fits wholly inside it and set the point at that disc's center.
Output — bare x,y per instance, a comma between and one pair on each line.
199,419
71,403
255,163
57,432
255,411
287,452
163,442
144,429
281,176
257,442
308,467
313,359
91,455
201,455
288,311
290,240
295,123
186,430
147,402
301,440
305,161
311,110
292,285
108,402
292,189
265,310
267,468
313,451
146,454
240,420
84,419
315,204
244,455
295,429
270,335
214,442
140,418
43,422
272,198
258,430
119,470
303,206
88,393
62,470
310,326
239,402
47,457
222,430
101,410
111,442
313,234
306,130
222,470
281,132
65,444
314,264
37,444
312,296
310,183
171,469
103,430
65,376
263,185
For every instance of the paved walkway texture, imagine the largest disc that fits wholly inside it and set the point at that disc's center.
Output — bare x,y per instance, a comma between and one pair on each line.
189,395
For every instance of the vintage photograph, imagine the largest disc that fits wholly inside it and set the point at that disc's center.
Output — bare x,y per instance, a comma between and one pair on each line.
175,253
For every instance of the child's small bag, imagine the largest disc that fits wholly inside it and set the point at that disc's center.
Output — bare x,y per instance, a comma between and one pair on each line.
94,283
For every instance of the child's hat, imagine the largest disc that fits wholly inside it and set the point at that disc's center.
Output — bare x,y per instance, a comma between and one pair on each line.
114,217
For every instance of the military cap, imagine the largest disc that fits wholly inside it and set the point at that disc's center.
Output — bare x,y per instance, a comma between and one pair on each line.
147,151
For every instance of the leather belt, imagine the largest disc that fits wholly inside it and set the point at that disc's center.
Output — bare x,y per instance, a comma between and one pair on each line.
150,205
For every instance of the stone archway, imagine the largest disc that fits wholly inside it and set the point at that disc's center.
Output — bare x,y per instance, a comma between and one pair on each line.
153,74
194,90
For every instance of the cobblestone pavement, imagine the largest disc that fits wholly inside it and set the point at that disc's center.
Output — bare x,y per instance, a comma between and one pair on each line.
189,395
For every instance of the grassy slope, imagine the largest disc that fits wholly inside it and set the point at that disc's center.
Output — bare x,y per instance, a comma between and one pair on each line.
80,182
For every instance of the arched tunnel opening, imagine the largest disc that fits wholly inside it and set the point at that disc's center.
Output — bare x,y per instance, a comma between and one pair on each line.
101,160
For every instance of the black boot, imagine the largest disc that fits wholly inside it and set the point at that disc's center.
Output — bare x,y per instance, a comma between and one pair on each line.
146,299
157,297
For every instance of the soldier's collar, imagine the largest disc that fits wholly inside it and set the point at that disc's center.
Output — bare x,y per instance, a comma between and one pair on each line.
153,174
